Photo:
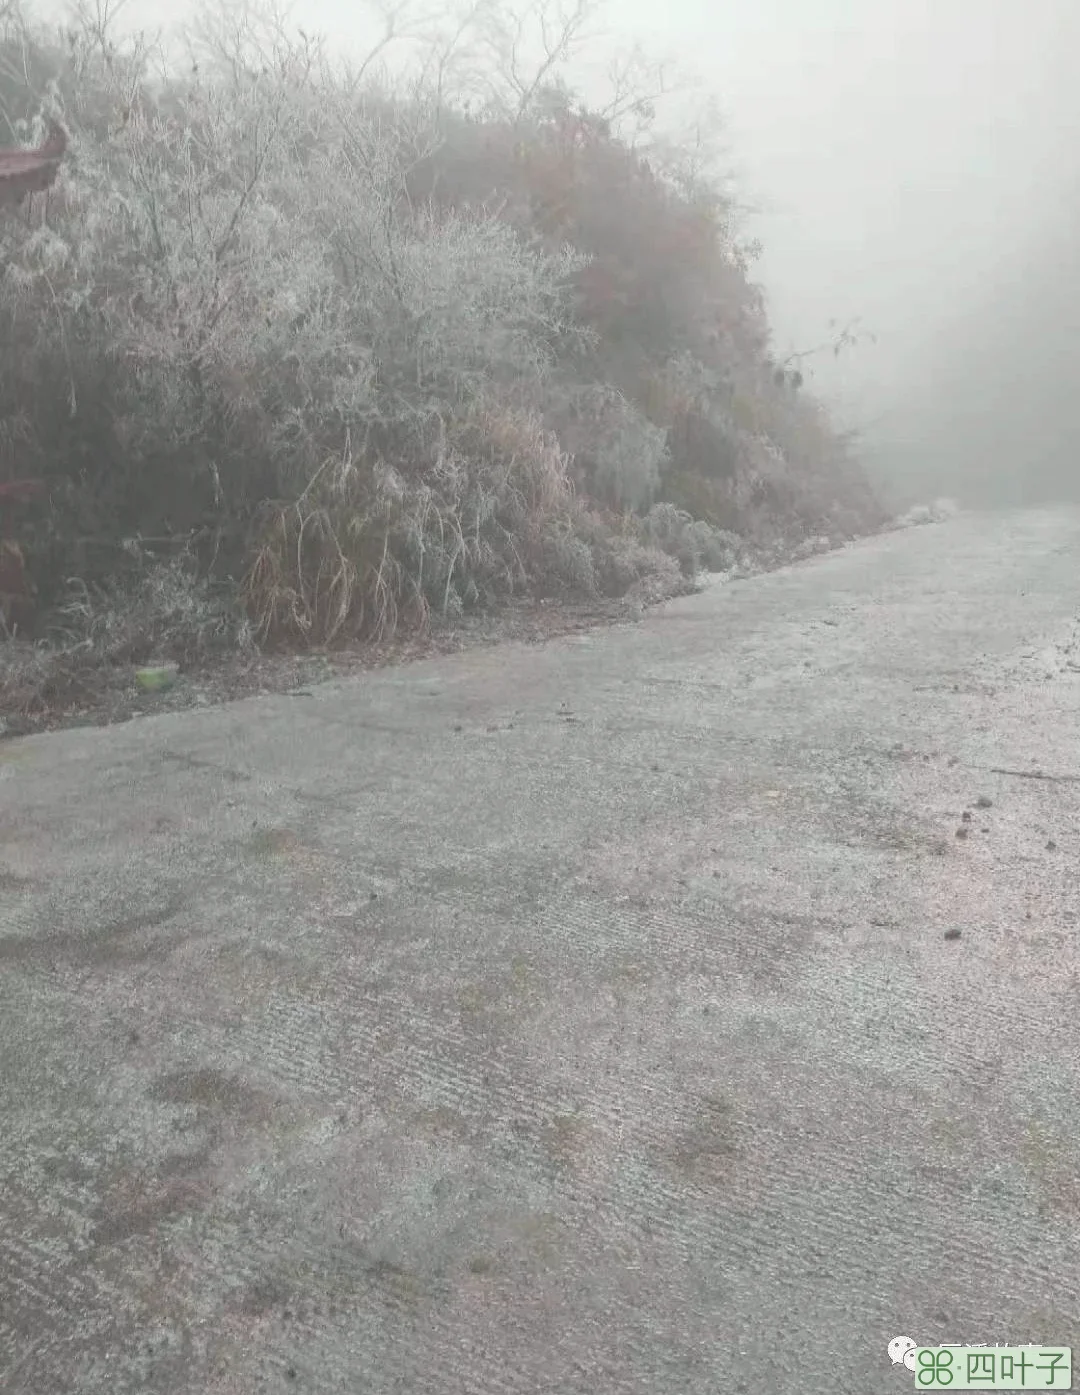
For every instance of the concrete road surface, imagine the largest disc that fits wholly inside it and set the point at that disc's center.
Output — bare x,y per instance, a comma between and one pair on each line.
587,1018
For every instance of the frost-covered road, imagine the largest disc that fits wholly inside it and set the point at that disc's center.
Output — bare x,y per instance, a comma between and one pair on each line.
573,1019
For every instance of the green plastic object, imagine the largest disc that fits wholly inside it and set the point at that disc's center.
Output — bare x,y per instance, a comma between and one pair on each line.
153,680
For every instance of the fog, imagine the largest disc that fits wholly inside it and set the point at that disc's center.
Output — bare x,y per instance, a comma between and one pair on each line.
917,166
918,162
913,165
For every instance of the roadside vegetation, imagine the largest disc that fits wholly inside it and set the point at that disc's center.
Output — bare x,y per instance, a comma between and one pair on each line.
308,354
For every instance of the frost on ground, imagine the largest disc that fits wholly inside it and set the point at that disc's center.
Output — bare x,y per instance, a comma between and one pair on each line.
937,512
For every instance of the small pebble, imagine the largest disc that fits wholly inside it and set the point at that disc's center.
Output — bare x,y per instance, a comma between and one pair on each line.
952,934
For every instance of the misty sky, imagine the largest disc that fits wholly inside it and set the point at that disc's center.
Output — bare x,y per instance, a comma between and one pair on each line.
910,157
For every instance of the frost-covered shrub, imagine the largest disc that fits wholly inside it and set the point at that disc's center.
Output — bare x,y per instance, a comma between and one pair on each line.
696,545
233,289
619,453
356,341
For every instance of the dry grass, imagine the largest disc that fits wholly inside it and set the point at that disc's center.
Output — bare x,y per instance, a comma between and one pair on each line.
491,514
